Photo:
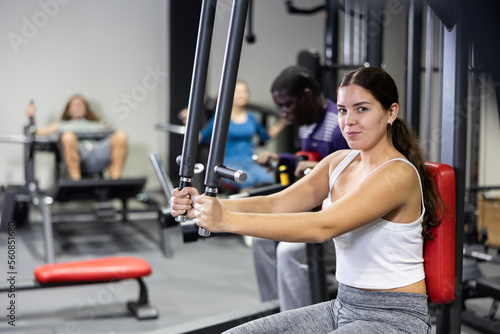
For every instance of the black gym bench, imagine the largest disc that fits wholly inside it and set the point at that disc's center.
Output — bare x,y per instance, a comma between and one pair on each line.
100,190
18,198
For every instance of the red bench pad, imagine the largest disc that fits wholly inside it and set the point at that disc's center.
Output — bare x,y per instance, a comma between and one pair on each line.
439,254
104,269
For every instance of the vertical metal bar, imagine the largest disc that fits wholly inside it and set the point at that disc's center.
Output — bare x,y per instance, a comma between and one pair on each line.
414,64
473,154
429,70
44,203
200,69
225,98
161,173
364,31
29,155
331,53
375,33
347,33
317,273
441,85
453,147
356,33
184,21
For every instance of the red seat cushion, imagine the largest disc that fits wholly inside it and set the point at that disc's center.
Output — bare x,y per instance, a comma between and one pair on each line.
105,269
439,254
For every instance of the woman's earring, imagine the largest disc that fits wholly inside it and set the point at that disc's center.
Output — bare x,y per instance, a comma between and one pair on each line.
391,123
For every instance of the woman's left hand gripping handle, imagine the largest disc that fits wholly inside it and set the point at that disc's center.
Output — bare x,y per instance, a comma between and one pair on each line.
182,202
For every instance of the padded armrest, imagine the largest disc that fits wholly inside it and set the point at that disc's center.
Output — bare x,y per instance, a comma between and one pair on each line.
439,254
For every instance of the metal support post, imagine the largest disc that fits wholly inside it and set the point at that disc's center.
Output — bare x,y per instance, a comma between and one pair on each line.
414,64
374,32
331,54
453,152
43,203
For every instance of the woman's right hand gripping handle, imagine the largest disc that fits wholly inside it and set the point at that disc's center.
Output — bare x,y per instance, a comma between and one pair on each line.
182,202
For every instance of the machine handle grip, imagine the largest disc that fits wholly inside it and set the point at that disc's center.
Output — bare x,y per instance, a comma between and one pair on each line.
183,183
231,174
212,192
269,163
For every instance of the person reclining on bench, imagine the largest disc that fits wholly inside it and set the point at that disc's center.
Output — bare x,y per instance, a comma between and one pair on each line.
85,157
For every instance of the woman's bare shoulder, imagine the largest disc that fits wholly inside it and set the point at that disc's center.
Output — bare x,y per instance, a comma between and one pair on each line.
398,172
330,162
336,157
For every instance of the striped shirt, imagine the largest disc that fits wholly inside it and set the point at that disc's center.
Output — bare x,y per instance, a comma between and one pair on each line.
324,136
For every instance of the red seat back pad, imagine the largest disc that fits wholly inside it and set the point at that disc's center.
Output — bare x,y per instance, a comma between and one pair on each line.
439,254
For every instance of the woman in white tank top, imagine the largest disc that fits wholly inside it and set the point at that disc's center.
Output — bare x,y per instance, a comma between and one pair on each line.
378,205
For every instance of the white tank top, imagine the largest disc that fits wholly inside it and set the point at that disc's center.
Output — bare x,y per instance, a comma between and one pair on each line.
381,254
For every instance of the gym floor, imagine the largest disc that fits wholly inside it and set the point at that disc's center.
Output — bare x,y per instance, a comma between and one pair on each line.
203,283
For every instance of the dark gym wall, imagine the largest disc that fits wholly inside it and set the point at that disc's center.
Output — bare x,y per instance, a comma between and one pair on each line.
184,19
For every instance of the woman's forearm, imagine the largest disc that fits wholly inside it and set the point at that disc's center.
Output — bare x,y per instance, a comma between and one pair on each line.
294,227
257,204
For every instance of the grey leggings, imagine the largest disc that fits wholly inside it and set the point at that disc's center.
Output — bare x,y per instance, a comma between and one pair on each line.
354,311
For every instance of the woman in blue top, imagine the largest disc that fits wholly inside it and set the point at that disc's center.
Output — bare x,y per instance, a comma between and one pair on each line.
240,146
379,204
